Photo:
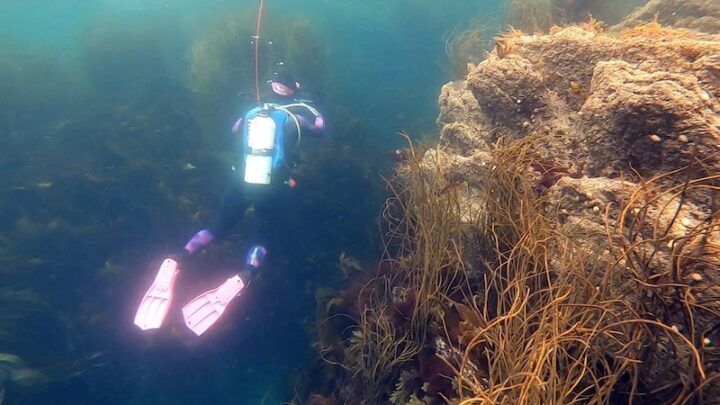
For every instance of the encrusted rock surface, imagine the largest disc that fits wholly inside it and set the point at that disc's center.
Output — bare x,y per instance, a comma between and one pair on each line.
599,98
700,15
611,111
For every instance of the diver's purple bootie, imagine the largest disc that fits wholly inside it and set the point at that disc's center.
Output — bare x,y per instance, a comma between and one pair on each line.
255,257
200,240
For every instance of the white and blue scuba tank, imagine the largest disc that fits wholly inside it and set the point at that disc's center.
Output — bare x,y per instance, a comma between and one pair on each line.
260,145
263,140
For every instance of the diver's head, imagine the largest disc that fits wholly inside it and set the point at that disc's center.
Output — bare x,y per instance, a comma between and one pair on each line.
284,85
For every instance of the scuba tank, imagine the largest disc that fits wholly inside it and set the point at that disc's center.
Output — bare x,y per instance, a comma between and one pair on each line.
263,140
260,149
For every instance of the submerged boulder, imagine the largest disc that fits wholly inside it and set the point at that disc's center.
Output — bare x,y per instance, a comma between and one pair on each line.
562,242
625,131
598,98
700,15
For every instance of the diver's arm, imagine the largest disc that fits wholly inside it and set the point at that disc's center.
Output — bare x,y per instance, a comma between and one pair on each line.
298,116
317,126
237,126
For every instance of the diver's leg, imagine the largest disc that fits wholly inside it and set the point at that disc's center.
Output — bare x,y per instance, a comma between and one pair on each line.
157,300
232,208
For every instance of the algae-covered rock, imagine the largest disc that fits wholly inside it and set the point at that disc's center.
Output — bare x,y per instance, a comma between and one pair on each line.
701,15
600,98
625,135
560,245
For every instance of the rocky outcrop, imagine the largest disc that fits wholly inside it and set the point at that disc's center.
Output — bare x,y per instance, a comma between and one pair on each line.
700,15
626,130
562,242
602,101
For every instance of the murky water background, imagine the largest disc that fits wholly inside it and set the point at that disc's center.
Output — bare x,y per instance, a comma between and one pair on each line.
115,148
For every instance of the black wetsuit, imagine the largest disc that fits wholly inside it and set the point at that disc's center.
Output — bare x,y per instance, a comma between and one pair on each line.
266,199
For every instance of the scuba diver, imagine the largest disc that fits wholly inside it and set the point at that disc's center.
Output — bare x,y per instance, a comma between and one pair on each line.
267,135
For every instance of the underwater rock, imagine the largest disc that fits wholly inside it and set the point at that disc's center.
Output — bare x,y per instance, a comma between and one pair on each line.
701,15
561,241
599,98
460,118
626,141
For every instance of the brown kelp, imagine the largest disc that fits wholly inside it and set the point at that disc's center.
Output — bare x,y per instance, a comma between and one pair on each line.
553,322
466,46
388,318
505,301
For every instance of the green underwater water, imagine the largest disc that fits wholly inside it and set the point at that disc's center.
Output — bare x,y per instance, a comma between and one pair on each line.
115,118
